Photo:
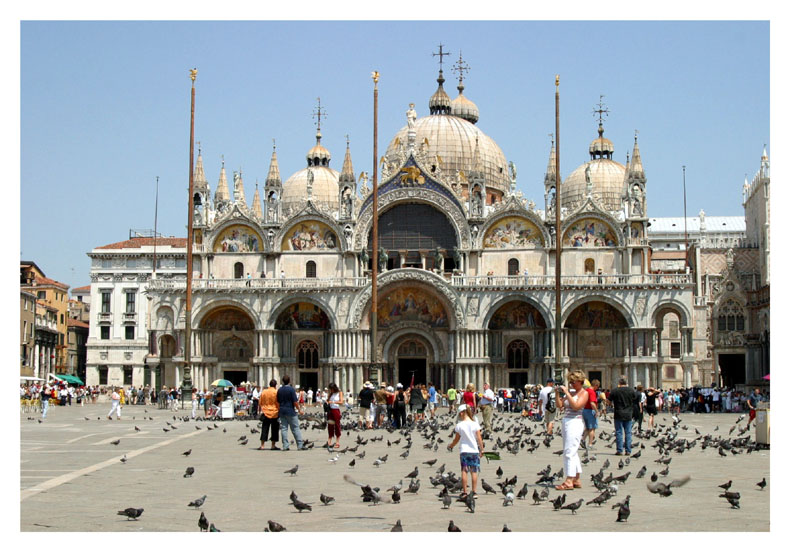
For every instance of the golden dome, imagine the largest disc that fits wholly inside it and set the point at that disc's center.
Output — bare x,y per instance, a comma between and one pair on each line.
607,178
453,140
325,188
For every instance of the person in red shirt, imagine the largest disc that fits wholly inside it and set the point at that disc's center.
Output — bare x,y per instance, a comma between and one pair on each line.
590,413
469,398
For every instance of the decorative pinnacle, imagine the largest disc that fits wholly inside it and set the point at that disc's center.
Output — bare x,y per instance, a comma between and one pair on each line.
460,67
441,55
317,114
193,74
198,145
274,145
375,76
557,81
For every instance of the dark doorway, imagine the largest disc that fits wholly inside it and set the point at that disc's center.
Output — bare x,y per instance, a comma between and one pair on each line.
235,376
517,380
408,367
732,369
308,380
595,374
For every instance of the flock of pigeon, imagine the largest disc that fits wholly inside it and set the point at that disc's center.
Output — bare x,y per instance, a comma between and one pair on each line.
511,435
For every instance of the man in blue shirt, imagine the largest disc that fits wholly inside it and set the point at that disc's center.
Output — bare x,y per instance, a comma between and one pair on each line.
289,413
432,399
752,401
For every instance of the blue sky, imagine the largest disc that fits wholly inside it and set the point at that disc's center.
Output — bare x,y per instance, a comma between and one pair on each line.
105,109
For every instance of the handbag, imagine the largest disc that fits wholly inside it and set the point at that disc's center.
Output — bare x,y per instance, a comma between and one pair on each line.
327,408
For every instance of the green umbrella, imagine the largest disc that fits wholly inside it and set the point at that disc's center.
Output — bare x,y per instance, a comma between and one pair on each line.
221,383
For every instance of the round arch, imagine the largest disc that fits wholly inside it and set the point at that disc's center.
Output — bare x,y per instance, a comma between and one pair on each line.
570,309
585,230
231,234
548,319
511,216
395,338
205,310
670,306
288,303
322,229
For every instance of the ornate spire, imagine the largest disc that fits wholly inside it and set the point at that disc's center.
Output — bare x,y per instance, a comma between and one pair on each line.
440,103
348,169
273,178
256,203
635,171
200,174
550,179
318,156
461,106
222,194
601,147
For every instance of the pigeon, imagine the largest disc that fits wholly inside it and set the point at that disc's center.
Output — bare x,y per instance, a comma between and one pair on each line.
734,503
414,486
397,528
293,470
397,487
430,462
624,509
165,429
641,473
499,472
131,513
203,522
327,500
190,470
123,460
726,486
654,477
573,506
135,427
413,474
522,494
198,502
116,442
352,463
212,529
446,501
762,484
396,497
301,506
664,489
470,502
600,499
536,497
453,528
486,487
440,469
557,502
186,453
730,494
506,529
508,501
275,527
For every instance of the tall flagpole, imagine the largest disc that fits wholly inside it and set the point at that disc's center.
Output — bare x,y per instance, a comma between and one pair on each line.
558,241
186,389
156,217
375,245
685,221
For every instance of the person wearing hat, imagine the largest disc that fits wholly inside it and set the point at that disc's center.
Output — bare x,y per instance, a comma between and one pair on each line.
548,406
399,407
467,431
380,395
365,398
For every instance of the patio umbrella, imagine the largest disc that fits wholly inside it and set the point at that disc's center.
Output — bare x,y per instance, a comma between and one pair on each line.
767,376
221,383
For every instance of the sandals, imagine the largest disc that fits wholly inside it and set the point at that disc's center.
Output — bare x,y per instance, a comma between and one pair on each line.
337,445
577,485
564,487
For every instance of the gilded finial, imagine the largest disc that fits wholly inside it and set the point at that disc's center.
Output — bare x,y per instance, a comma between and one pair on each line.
375,76
274,145
193,74
348,142
198,145
557,80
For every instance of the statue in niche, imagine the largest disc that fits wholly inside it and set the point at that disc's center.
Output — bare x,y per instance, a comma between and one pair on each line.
270,235
348,205
197,216
364,258
348,232
310,179
587,177
457,258
363,177
474,232
477,204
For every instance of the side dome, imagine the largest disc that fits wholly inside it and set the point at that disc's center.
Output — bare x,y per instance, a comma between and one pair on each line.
465,108
607,178
325,186
453,140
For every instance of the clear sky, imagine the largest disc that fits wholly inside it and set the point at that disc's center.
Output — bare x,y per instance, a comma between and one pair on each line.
105,109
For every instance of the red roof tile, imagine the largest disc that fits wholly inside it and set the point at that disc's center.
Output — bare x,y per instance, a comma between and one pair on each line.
78,323
135,243
44,281
79,289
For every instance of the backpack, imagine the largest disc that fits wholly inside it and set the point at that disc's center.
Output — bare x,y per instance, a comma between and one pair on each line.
550,404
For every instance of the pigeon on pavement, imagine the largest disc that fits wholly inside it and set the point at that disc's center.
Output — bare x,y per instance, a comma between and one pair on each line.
131,513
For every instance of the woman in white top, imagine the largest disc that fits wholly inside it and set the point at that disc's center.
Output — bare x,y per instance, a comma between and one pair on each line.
468,432
573,402
335,400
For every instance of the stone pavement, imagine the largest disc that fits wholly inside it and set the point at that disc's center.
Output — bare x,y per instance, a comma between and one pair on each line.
72,479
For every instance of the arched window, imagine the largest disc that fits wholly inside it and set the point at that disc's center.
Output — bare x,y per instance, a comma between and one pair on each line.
518,355
307,354
731,317
238,270
310,269
512,267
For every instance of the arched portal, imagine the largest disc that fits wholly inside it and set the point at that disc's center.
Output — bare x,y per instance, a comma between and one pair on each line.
230,334
518,341
303,338
411,359
596,340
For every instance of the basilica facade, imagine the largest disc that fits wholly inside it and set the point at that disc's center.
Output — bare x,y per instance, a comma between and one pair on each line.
466,287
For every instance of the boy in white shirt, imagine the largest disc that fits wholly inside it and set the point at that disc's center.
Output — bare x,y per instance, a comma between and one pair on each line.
467,431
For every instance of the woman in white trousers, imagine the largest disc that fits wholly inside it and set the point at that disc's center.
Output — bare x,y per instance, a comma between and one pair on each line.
115,399
573,402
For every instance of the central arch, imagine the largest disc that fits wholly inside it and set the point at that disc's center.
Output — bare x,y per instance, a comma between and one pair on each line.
231,333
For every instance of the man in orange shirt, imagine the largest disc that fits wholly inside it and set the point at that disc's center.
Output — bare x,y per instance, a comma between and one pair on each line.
270,413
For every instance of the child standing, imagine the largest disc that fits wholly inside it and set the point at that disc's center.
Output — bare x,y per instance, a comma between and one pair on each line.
467,431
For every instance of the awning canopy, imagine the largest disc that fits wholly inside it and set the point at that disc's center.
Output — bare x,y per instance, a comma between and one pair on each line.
70,378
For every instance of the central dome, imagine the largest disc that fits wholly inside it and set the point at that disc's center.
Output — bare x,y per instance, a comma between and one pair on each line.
453,140
607,177
325,188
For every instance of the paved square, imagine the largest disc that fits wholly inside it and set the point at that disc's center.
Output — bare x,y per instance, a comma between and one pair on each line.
72,478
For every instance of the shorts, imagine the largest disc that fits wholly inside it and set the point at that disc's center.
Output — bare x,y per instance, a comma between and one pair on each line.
652,410
548,417
590,419
752,414
363,414
431,406
470,461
